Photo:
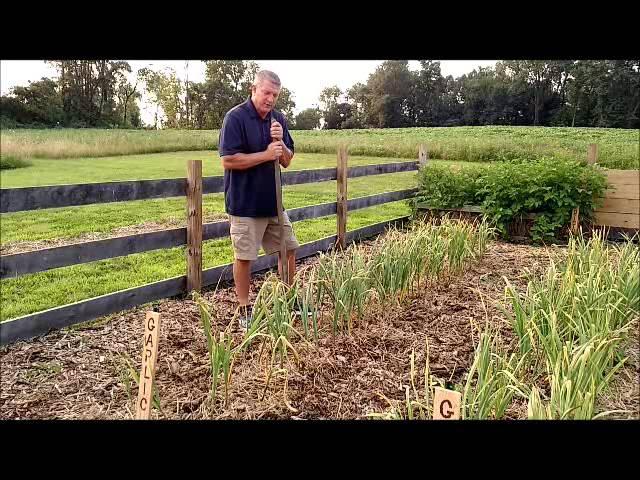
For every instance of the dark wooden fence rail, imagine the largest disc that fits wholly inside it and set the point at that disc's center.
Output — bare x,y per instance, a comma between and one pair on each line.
35,198
12,266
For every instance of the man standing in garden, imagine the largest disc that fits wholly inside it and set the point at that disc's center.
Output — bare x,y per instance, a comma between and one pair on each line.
253,136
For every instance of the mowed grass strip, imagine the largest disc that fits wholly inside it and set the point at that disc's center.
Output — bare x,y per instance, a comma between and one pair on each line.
148,167
41,291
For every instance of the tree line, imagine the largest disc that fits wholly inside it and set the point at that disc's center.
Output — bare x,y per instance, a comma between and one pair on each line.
85,94
584,93
99,93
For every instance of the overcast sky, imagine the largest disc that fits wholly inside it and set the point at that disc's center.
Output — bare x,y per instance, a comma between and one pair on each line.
305,78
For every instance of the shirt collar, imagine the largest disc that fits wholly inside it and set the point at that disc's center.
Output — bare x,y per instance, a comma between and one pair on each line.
253,112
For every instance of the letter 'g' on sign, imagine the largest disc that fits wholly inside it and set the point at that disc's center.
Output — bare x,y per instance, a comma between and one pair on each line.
446,404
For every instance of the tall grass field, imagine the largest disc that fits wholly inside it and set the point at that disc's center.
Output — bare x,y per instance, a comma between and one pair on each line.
618,148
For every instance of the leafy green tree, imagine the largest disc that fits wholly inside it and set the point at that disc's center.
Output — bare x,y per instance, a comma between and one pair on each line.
286,104
39,103
427,94
128,95
308,119
391,86
166,90
359,97
227,83
333,110
88,90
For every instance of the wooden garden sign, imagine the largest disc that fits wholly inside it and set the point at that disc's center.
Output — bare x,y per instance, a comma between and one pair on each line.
446,404
147,371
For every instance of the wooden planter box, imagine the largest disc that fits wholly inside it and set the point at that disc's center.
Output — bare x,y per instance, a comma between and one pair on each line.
520,229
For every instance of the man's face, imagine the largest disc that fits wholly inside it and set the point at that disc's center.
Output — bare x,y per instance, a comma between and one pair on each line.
264,96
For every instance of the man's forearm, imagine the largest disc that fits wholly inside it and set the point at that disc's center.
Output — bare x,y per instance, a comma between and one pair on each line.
287,155
243,161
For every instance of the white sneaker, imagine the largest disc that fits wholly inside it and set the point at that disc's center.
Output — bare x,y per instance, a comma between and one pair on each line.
246,317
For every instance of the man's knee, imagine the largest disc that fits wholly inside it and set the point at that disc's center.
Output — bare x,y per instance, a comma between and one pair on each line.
242,263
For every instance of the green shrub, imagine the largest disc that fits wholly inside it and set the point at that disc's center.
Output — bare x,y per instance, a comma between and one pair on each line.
449,186
549,188
8,162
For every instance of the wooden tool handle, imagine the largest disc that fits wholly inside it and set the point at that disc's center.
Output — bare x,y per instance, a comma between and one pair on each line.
283,242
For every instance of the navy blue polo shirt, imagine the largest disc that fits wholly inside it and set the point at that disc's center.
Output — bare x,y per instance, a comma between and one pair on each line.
250,192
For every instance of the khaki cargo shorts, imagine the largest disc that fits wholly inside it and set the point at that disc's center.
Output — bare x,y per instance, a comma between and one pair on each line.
248,233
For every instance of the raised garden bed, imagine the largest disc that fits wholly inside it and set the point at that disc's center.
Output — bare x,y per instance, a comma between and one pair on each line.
519,230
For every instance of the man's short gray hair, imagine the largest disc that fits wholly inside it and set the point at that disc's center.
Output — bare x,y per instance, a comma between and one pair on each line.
266,75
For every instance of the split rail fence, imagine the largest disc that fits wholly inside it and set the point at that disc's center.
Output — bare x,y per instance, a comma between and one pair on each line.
193,187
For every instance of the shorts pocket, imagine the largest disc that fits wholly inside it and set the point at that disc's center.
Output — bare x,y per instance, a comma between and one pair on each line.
238,228
242,241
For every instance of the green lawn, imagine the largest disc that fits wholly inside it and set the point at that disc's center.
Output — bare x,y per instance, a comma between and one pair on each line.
72,222
146,167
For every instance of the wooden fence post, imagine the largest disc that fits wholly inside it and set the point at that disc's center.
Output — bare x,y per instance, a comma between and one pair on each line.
592,153
194,225
574,225
342,197
423,155
592,159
